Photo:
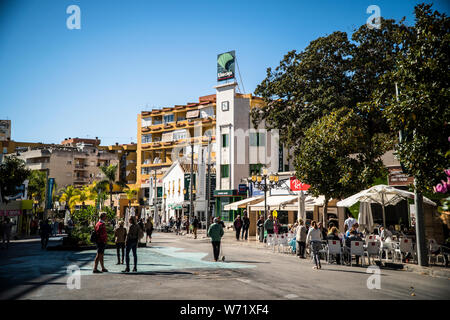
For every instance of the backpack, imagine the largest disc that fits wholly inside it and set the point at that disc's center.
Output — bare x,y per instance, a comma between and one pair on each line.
94,236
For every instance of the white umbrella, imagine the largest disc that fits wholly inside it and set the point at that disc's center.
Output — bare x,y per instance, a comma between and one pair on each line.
383,195
365,218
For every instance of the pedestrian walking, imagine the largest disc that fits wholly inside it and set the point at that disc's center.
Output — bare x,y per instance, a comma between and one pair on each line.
195,225
268,225
314,239
148,230
260,225
101,237
245,225
178,224
301,239
237,226
276,226
6,227
215,232
131,244
45,232
120,234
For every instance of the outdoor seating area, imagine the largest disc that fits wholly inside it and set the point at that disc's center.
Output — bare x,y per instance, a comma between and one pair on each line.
372,250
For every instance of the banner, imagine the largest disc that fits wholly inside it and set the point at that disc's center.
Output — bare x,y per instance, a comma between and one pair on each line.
297,185
51,184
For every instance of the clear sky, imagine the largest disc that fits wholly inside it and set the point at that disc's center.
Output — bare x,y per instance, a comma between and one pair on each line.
137,55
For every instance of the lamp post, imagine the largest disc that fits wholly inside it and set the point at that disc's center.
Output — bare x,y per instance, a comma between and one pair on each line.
267,182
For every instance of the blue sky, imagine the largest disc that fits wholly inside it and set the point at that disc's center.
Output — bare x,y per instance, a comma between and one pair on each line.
136,55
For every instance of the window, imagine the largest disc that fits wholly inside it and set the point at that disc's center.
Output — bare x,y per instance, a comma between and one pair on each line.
225,105
146,138
181,117
225,170
257,139
255,168
178,135
225,140
146,122
168,118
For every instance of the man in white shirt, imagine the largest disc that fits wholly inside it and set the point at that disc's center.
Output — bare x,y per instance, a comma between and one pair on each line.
349,223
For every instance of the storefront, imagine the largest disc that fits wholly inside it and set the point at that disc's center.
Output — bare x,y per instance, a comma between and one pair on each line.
223,198
20,213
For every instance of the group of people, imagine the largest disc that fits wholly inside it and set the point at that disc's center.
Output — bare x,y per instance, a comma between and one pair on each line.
241,224
126,240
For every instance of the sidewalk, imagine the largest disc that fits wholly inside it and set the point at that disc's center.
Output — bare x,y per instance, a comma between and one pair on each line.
229,238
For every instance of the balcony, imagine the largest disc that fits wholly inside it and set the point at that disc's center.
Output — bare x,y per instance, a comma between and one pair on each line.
80,167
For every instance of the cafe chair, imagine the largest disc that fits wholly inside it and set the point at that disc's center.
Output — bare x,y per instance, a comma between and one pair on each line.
405,247
357,249
373,249
434,251
334,248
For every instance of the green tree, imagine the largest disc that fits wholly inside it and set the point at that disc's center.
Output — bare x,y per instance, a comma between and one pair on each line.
421,110
110,181
332,160
12,175
36,186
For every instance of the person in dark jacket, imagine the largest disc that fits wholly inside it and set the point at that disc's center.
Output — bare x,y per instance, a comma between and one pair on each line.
102,238
245,225
195,225
131,244
45,231
215,232
237,226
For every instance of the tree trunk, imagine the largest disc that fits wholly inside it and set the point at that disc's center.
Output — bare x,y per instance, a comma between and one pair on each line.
110,195
325,209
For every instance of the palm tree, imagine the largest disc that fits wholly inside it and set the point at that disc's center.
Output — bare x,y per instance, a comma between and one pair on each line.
110,180
131,194
67,194
82,195
36,186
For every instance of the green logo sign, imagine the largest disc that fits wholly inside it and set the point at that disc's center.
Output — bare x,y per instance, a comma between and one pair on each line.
225,65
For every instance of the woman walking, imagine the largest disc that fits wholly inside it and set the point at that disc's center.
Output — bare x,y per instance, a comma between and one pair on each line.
120,235
148,229
314,239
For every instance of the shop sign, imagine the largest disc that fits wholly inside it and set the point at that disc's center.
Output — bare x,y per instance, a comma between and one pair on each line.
297,185
225,65
10,213
223,192
242,188
398,178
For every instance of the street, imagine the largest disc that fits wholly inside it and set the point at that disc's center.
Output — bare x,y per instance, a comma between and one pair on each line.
181,268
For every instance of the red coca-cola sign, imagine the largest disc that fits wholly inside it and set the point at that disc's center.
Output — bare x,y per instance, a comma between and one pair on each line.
297,185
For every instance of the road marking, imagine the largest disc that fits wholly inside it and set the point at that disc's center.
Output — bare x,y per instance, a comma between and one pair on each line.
291,296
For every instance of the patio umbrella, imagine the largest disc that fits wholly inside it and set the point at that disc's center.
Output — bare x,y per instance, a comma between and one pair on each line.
383,195
365,218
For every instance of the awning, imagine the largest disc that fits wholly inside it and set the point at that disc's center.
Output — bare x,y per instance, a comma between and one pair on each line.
243,203
192,114
310,202
274,203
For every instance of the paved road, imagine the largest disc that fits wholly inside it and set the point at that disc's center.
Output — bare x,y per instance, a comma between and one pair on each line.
178,267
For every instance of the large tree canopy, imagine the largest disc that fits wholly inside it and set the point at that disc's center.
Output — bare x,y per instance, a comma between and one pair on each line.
422,109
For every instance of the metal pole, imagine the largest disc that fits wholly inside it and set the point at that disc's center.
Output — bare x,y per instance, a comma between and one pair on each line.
420,227
191,213
155,195
208,184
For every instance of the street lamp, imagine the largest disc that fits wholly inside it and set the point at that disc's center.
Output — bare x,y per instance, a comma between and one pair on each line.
267,182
